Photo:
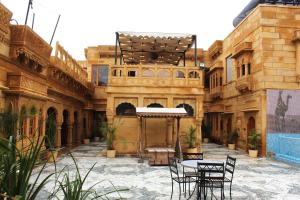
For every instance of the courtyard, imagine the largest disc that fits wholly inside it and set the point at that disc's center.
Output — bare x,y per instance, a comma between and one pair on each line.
253,178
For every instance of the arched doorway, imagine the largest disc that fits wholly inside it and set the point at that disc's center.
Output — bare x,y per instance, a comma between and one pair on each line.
75,127
64,128
250,126
50,124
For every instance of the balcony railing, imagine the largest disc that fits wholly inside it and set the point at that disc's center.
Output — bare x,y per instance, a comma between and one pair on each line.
244,83
216,92
64,61
24,41
156,75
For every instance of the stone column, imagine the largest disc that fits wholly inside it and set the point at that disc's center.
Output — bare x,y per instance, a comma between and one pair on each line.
70,136
169,132
58,135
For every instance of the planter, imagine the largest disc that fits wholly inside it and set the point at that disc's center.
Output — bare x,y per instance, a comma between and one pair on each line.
111,153
205,140
52,155
231,146
86,141
96,139
253,153
192,150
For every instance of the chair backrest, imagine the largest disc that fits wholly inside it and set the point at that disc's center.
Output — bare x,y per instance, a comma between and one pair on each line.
230,166
210,170
173,167
192,156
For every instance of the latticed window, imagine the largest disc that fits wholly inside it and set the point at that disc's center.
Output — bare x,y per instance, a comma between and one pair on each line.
126,109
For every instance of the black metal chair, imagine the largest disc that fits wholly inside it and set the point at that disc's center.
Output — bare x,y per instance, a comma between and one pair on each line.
229,170
191,174
210,175
175,175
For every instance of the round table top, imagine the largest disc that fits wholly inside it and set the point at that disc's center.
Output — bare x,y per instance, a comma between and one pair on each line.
193,163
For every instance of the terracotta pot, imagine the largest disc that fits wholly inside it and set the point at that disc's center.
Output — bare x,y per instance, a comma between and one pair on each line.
253,153
86,141
96,139
192,150
231,146
111,153
52,155
205,140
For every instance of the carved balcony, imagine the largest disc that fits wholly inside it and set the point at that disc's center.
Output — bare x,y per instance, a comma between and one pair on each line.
244,84
215,49
242,48
216,93
29,48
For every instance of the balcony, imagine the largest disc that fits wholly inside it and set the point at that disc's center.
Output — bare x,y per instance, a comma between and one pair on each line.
242,48
215,49
244,84
216,93
29,48
156,75
66,69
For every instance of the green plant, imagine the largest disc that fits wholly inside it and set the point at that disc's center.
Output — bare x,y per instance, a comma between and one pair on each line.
72,188
232,137
33,111
206,130
50,131
110,133
8,123
16,168
191,137
254,140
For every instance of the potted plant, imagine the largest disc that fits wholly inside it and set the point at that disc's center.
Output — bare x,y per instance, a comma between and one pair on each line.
191,140
206,132
253,142
110,134
232,138
50,138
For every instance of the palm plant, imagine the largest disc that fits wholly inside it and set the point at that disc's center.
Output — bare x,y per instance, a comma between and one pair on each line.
232,137
8,123
110,133
254,139
191,137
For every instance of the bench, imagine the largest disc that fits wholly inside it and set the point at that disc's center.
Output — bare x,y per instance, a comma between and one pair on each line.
158,156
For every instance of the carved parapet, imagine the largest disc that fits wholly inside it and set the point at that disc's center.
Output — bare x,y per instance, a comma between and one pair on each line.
29,47
5,17
216,93
215,49
244,84
242,48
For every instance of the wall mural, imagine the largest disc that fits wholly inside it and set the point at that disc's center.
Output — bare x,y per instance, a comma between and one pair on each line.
283,124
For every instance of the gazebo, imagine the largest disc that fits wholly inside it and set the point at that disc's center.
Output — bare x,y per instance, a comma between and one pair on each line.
159,155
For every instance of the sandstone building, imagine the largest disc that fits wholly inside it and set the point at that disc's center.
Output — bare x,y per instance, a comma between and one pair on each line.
232,85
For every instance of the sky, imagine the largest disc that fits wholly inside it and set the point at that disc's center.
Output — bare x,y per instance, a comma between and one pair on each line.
94,22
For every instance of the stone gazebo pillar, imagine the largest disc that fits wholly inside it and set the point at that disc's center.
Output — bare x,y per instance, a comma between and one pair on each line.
169,132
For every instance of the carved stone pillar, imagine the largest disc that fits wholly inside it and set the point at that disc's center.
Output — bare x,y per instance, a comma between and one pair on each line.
70,136
58,135
170,132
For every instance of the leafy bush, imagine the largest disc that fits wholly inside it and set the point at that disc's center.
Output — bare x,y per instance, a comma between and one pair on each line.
253,140
232,137
191,137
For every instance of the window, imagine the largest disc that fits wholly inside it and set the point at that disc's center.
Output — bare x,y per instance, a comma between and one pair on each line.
249,68
100,75
126,109
194,74
243,70
132,73
229,64
155,105
179,74
117,72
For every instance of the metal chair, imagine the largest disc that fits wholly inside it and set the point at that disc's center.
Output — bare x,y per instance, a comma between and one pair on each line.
175,175
229,170
191,174
210,175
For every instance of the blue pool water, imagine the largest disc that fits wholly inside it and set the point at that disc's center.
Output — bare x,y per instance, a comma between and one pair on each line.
285,146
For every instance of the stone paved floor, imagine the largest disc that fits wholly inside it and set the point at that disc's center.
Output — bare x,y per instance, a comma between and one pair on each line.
253,179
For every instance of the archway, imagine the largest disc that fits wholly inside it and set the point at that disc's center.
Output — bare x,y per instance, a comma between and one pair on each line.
189,109
126,109
155,105
50,124
64,128
250,126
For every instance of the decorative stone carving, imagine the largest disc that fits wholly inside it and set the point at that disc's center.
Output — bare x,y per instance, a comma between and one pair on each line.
5,17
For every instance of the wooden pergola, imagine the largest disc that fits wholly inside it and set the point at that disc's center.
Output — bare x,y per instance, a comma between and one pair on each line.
144,113
154,48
